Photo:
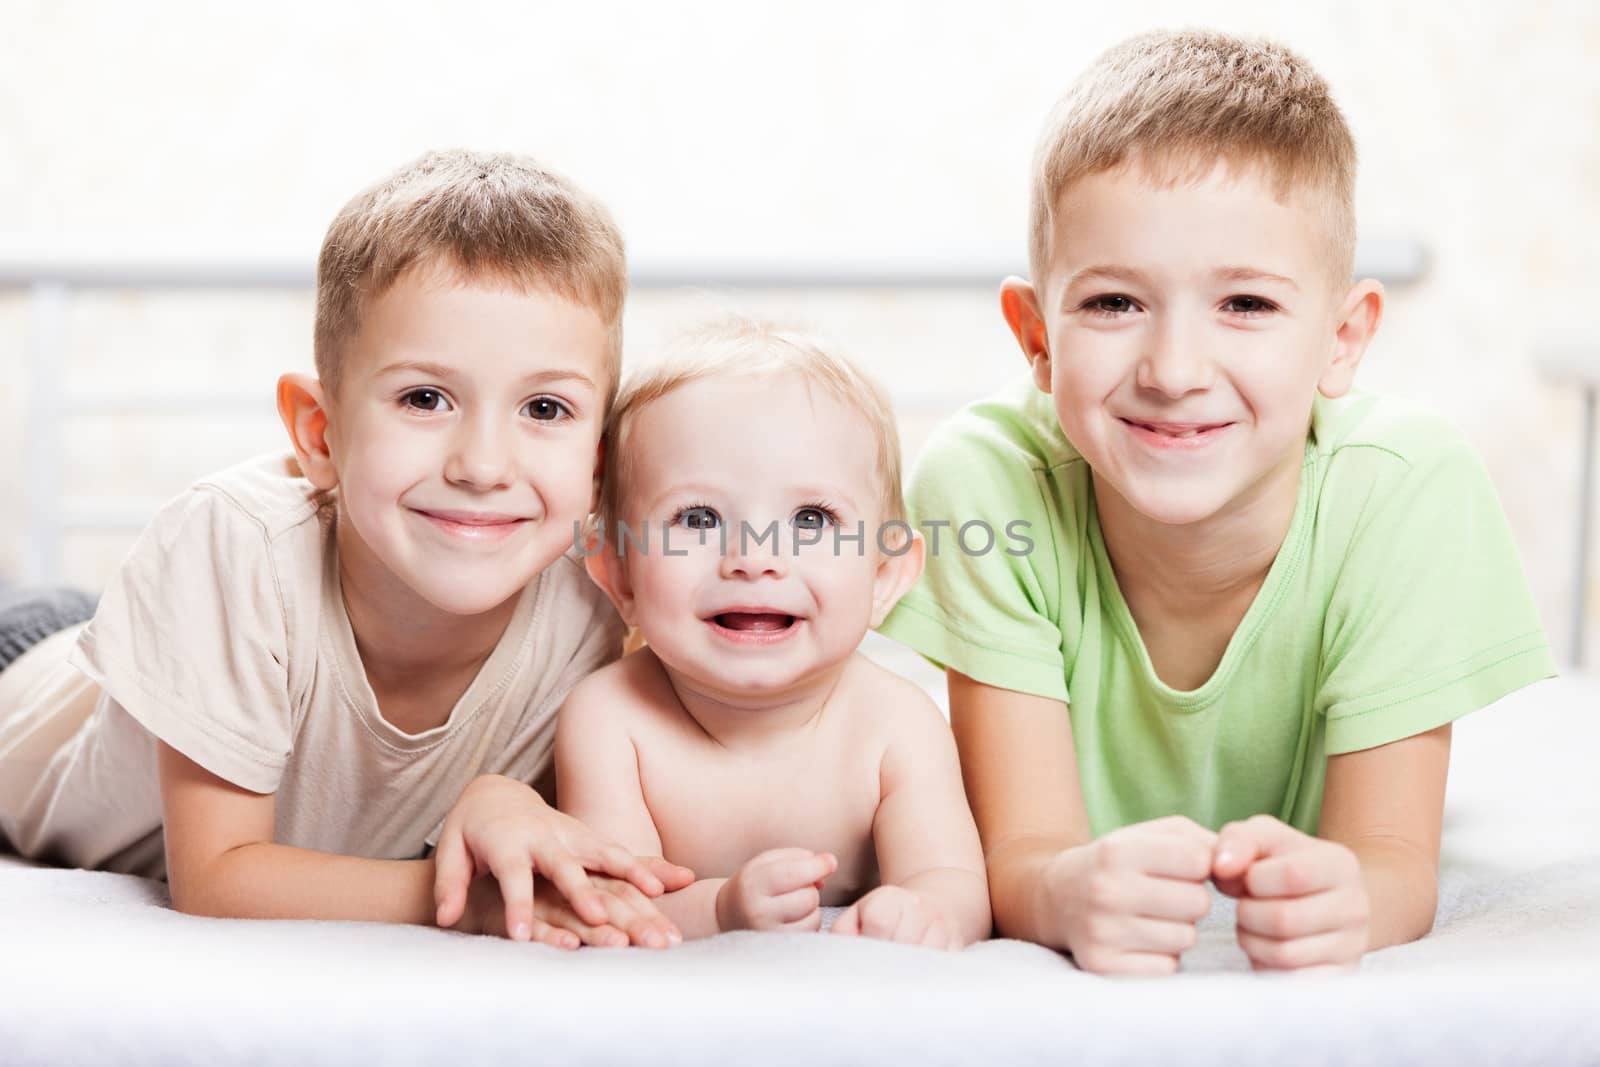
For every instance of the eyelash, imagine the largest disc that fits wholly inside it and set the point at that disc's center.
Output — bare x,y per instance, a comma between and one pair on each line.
1093,305
564,409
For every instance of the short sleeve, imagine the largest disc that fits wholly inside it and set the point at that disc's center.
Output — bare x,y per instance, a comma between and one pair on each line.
190,638
1430,617
988,601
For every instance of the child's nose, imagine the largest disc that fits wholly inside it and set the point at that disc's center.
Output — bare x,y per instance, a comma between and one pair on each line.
480,456
750,556
1174,361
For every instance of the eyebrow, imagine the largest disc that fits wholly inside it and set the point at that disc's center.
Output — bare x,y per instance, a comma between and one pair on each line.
439,370
1252,274
697,489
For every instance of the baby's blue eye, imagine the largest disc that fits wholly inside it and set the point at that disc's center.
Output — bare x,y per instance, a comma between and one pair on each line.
811,519
698,518
546,409
426,400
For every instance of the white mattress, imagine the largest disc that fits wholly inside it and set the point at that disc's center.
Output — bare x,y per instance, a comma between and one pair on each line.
96,968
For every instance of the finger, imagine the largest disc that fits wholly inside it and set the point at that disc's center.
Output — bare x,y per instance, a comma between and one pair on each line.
452,875
1338,949
672,876
1302,872
571,880
879,916
513,871
545,934
795,904
1181,826
910,927
1159,935
1168,898
848,922
806,924
1127,964
937,936
1240,844
1161,855
786,874
1288,917
603,935
618,862
631,911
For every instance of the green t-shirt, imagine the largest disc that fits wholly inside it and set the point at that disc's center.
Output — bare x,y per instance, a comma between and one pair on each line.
1396,604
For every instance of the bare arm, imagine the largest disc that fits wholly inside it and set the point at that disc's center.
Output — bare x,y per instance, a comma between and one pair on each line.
1386,805
924,832
1021,774
597,782
222,861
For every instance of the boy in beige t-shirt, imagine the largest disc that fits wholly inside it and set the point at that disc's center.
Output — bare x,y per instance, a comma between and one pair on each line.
306,659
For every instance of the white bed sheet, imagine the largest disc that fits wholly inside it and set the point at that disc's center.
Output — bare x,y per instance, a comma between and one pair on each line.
96,968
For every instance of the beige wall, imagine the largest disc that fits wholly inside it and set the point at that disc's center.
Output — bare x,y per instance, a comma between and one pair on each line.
848,133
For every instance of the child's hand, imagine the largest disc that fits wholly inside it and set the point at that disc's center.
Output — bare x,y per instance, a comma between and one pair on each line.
502,826
781,889
632,918
1302,900
893,913
1128,903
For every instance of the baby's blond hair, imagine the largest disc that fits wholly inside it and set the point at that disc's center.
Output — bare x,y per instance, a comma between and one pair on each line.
748,348
1175,103
484,215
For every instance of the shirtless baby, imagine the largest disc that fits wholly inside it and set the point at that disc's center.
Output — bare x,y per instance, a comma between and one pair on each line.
751,530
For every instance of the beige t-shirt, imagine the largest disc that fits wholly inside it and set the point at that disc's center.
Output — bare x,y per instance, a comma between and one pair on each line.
224,634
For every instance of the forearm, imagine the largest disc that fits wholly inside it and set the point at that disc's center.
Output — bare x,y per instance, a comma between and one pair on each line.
1402,890
271,881
1017,889
960,894
694,908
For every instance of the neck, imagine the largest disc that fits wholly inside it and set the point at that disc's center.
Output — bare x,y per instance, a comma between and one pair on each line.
403,638
1188,569
756,723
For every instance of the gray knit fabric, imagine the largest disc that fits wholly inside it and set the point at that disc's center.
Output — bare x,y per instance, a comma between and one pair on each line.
28,616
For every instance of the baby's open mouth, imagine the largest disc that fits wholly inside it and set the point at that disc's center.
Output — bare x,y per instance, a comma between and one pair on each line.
754,622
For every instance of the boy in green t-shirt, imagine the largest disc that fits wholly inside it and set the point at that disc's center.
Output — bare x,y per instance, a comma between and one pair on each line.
1235,607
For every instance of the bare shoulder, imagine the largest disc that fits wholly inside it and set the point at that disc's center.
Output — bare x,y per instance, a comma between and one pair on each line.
899,708
624,693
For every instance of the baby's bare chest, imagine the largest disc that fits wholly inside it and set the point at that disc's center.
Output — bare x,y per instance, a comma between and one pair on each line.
714,809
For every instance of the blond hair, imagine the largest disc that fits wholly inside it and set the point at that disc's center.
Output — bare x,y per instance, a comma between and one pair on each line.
1176,103
748,348
483,215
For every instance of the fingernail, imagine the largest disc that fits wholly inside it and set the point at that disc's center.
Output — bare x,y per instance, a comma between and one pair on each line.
1225,856
674,938
520,932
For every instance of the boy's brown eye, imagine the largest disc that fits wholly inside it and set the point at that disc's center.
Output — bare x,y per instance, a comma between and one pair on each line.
1248,304
1112,304
545,409
425,400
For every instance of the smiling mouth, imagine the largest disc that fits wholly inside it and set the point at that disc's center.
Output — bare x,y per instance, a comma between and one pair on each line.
754,622
1177,431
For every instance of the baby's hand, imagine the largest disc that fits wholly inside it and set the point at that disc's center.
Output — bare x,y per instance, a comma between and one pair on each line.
502,826
893,913
781,889
631,917
1302,900
1128,903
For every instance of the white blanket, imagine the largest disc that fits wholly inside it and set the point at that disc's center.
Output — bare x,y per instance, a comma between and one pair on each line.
96,968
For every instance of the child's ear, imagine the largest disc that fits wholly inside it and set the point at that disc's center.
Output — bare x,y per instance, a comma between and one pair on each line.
599,471
303,408
895,577
609,572
1356,322
1020,305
